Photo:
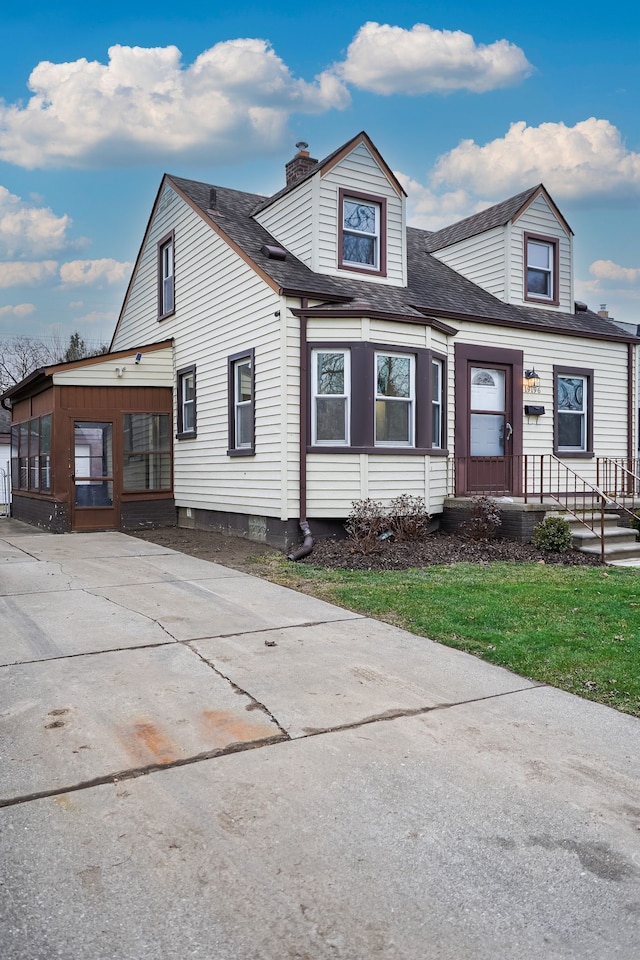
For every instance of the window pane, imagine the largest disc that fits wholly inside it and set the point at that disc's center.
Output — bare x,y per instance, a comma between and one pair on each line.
331,373
393,422
539,282
359,216
330,419
243,381
356,249
487,435
539,255
243,425
571,431
45,434
571,393
45,472
394,376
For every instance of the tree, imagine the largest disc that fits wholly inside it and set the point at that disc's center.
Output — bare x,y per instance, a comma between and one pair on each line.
20,356
78,350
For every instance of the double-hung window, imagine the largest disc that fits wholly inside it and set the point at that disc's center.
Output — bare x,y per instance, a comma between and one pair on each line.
331,387
166,276
186,403
241,404
573,413
436,403
395,399
541,269
362,229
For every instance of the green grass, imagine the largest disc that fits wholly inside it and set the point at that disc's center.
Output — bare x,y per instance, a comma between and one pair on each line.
577,628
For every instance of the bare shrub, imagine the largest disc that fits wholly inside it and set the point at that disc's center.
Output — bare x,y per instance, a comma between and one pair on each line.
484,521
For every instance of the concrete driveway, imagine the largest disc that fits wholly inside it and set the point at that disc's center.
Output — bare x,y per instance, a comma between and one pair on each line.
199,764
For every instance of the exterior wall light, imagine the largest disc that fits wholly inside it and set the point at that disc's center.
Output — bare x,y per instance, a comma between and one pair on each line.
531,381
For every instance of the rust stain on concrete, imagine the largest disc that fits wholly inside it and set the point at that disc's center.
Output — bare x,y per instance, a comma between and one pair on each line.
227,727
148,744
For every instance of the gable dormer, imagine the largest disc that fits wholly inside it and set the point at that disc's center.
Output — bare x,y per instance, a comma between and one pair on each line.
519,250
342,216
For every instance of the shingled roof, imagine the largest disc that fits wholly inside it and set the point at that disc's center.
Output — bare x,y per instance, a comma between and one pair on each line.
433,289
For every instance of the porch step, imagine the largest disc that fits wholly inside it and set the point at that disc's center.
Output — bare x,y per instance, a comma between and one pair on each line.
620,543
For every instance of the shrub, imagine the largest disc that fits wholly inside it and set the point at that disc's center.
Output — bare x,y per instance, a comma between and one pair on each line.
366,522
484,520
554,533
406,518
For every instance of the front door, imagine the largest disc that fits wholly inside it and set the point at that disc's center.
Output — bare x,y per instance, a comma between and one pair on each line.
488,421
93,493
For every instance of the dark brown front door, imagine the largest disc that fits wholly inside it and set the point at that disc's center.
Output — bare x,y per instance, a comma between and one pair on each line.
488,420
93,488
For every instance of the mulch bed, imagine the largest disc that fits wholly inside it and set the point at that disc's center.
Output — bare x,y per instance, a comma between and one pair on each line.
436,548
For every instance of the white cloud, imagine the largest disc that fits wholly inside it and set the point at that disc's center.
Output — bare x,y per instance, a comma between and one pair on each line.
143,104
588,160
16,272
386,59
431,211
89,272
607,270
19,310
26,228
96,316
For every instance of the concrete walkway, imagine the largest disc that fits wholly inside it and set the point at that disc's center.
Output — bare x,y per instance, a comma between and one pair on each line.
200,764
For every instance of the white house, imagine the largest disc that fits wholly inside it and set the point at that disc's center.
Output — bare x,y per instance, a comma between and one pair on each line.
323,352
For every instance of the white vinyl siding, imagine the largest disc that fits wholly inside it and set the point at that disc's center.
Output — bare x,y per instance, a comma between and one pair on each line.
481,259
289,220
222,308
359,172
155,369
540,220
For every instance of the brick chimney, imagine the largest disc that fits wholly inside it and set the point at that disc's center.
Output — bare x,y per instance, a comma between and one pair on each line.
301,164
603,312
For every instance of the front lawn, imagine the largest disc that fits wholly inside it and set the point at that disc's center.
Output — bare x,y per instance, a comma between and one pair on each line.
577,628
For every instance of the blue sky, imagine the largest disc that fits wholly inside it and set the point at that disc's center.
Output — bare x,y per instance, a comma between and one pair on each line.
468,103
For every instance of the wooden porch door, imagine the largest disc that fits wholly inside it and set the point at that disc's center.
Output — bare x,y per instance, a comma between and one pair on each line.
488,421
94,495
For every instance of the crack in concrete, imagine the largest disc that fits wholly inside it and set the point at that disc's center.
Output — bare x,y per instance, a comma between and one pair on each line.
283,737
257,705
134,772
88,653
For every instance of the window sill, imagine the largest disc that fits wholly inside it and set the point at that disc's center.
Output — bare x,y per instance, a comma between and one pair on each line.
244,452
187,435
541,301
385,451
574,454
164,316
367,271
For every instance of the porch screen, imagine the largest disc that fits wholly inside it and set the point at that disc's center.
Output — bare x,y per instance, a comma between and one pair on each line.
146,462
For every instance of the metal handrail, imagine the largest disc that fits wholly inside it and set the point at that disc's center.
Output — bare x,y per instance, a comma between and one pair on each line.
543,476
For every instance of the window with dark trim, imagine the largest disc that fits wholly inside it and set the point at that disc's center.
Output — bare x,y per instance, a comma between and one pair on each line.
186,403
541,269
573,412
166,276
362,232
376,398
437,402
330,390
241,393
31,454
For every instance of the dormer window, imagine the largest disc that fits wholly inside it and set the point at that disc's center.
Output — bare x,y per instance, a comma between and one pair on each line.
541,269
362,233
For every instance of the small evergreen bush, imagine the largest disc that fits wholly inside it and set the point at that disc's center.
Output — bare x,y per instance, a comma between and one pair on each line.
484,520
554,533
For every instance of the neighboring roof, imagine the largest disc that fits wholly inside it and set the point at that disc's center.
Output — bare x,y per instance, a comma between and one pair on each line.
434,289
330,161
495,216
